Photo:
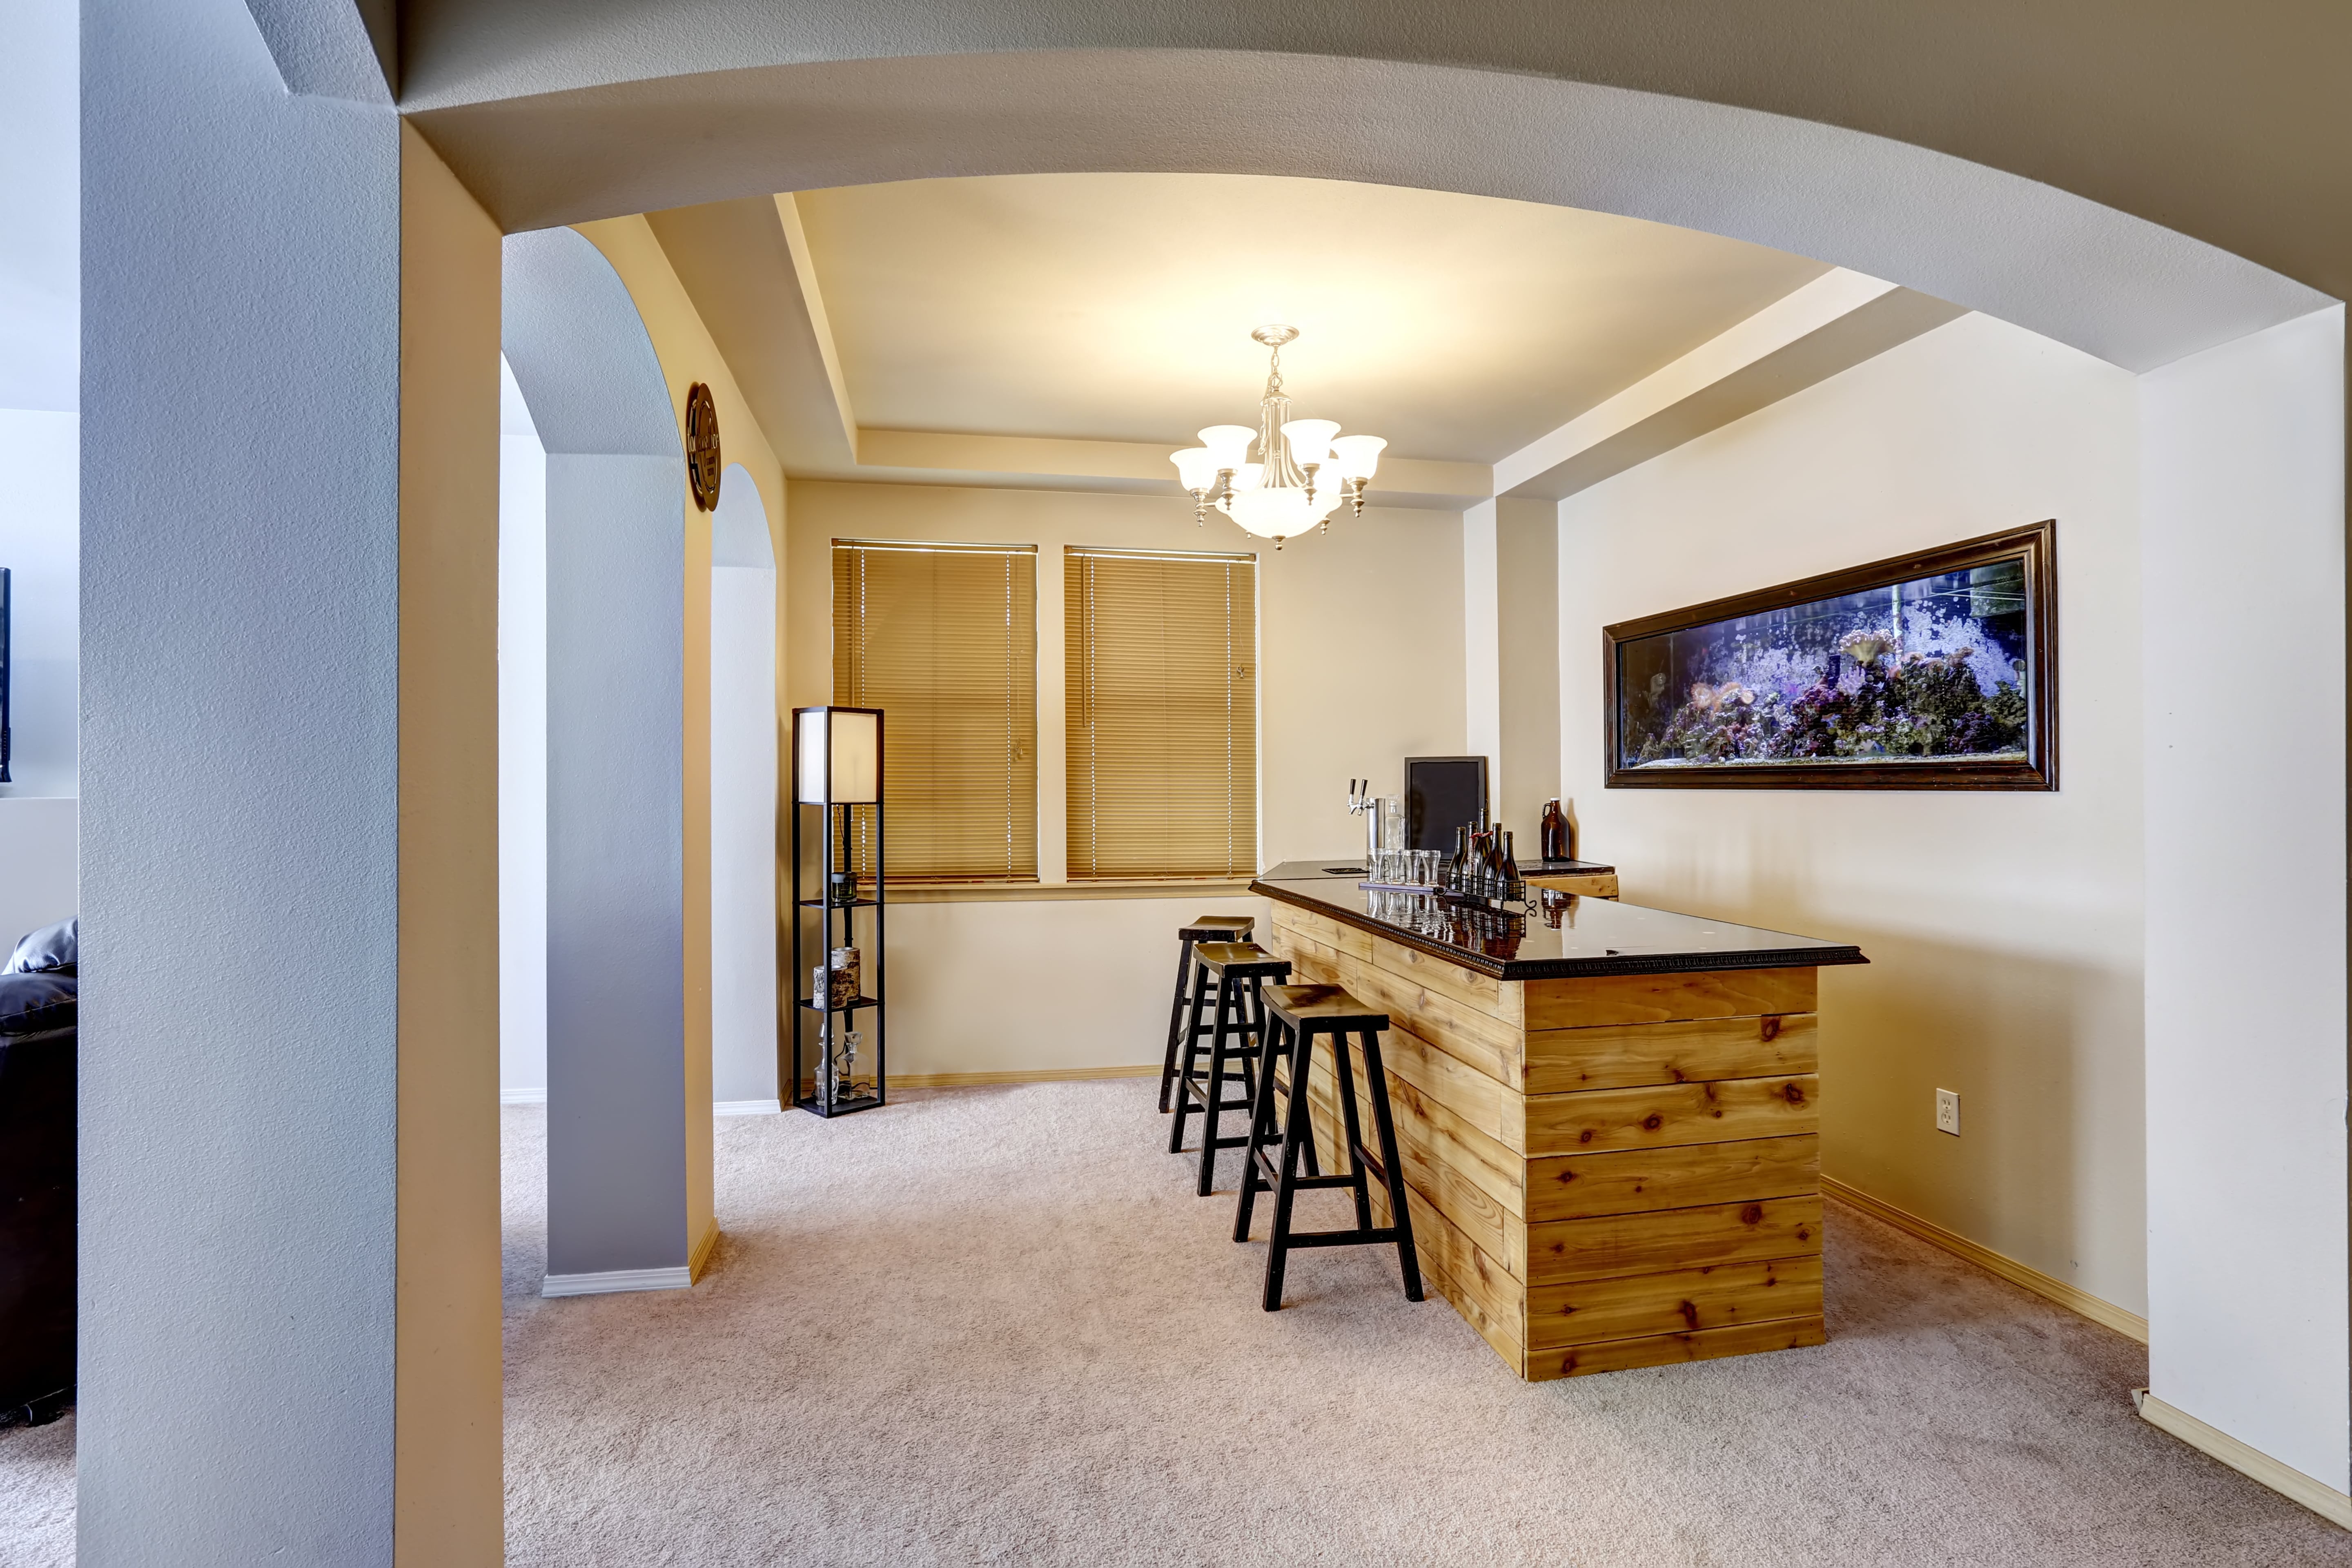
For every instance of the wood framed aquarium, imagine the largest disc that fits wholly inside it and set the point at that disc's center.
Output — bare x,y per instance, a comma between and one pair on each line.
1933,670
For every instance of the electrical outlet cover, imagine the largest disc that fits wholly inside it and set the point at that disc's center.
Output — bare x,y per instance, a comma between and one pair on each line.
1948,1112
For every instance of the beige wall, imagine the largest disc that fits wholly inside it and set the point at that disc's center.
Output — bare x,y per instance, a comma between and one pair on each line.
688,355
448,1430
2004,928
1359,665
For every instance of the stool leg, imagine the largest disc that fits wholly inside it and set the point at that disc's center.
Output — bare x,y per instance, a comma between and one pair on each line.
1175,1021
1191,1060
1277,1246
1262,1134
1230,1003
1384,1124
1351,1125
1252,1053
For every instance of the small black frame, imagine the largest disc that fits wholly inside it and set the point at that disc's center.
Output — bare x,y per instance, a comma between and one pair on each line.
1419,772
819,1008
2036,546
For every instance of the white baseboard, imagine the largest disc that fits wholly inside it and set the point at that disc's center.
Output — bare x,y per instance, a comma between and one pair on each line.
615,1279
1018,1074
2246,1459
2104,1313
718,1107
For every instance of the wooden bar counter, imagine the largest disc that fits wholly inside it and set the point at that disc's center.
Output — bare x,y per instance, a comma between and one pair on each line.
1609,1130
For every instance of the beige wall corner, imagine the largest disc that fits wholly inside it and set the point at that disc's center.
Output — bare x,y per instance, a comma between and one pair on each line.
687,354
449,1494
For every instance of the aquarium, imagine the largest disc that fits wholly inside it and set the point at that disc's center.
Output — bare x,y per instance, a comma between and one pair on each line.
1928,671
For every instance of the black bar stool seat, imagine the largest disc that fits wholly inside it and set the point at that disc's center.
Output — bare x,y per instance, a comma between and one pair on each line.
1200,928
1234,972
1295,1017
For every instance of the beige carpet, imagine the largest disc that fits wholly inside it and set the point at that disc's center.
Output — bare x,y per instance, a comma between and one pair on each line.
993,1325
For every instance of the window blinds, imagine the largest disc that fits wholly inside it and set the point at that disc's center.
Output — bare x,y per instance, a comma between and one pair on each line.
943,640
1163,705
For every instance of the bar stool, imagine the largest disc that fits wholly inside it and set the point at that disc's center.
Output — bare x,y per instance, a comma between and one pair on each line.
1295,1017
1238,970
1204,927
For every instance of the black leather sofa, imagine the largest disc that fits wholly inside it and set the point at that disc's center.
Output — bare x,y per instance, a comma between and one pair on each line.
38,994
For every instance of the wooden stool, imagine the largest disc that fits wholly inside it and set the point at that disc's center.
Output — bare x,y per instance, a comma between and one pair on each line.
1238,970
1294,1017
1204,927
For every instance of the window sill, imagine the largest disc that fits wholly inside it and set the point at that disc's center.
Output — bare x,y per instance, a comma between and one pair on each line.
1027,893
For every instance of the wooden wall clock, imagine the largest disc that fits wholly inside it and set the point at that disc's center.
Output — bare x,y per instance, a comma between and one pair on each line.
703,461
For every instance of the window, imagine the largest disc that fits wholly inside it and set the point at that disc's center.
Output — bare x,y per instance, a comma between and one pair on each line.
1163,655
943,640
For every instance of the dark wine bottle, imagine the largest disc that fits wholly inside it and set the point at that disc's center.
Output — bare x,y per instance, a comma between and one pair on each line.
1552,837
1457,869
1512,887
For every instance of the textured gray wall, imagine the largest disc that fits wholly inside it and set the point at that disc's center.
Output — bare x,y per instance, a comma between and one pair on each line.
616,709
240,532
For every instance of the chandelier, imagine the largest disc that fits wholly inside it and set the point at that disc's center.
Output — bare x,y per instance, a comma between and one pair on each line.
1305,466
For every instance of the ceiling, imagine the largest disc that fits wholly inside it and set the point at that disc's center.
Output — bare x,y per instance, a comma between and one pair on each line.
1118,307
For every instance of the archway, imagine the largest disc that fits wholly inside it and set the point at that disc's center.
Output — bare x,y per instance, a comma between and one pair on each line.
619,1147
313,196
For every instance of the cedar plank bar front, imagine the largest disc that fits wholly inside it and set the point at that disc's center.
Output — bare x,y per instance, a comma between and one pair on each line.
1609,1131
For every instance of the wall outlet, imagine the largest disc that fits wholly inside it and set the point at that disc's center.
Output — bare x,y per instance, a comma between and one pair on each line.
1948,1112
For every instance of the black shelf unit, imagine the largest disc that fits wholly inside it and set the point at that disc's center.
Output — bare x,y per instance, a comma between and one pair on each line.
837,925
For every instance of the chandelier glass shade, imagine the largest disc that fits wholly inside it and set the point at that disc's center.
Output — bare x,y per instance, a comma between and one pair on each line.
1305,468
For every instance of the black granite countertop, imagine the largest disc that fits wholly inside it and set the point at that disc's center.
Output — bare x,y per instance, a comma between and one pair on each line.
1595,936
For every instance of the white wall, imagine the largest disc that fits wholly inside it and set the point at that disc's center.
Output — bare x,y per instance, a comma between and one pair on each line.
41,531
2244,479
1360,665
522,749
744,731
40,526
2004,928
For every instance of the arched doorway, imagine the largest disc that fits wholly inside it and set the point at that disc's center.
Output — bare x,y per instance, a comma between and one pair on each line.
311,193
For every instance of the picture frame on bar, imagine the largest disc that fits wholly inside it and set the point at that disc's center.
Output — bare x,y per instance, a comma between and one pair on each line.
1935,671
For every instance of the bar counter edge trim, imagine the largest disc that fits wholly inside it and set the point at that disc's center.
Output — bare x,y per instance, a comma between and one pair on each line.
1567,968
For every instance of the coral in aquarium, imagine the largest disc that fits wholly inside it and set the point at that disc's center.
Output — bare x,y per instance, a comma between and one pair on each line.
1926,685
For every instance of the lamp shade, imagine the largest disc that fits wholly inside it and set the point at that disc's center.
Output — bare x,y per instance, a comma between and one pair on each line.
1229,444
842,747
1277,512
1196,468
1310,439
1358,456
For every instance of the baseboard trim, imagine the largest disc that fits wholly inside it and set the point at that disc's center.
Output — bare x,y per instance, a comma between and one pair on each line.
718,1107
2104,1313
2246,1459
613,1280
1028,1075
699,1258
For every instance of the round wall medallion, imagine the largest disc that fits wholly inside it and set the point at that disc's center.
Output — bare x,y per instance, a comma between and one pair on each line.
703,462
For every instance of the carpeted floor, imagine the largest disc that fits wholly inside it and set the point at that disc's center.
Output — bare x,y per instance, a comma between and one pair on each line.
995,1325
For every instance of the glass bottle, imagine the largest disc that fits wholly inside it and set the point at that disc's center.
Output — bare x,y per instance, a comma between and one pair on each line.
1456,867
1552,837
1512,887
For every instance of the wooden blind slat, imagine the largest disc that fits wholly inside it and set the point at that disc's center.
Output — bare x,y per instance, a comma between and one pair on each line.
1162,710
943,640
